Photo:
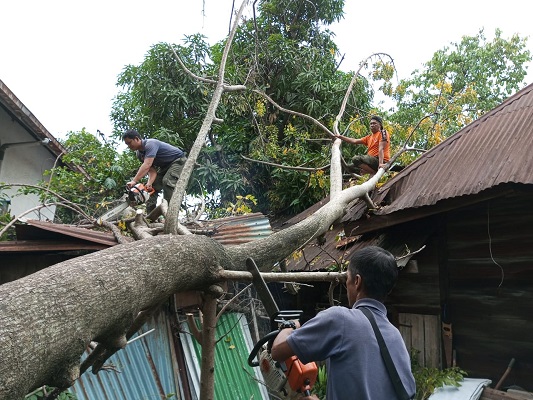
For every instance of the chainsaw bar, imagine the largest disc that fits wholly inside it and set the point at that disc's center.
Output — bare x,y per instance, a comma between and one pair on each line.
262,289
266,298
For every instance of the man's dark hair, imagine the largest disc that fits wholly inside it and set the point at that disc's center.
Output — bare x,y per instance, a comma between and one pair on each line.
378,269
378,119
131,134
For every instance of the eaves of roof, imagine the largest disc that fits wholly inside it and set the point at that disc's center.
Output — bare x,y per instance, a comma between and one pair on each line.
41,236
24,116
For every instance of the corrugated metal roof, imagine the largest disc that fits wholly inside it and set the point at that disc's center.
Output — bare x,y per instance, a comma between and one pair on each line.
234,378
339,245
144,369
18,110
491,151
37,235
105,238
238,229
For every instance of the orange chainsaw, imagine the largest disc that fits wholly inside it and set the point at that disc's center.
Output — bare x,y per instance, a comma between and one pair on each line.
290,375
134,196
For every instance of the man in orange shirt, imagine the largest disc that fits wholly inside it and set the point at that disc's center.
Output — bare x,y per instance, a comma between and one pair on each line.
378,148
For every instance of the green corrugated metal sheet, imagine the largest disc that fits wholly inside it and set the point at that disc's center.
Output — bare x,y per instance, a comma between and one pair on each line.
234,378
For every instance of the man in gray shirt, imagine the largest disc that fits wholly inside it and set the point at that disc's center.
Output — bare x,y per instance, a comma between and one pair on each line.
345,338
161,161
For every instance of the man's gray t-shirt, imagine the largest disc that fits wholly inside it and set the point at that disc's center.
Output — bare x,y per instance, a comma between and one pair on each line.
344,337
163,153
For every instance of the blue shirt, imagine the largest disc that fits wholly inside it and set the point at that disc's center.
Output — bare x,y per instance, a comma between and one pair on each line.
344,337
162,153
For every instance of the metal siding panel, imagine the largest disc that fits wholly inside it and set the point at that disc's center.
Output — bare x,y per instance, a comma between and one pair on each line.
136,379
234,378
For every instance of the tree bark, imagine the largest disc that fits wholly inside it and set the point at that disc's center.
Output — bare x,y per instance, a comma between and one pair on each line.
209,309
48,318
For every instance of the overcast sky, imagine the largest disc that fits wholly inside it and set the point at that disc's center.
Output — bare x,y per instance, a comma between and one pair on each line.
61,58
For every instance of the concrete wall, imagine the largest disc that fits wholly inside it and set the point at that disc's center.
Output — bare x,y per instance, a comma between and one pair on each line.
23,164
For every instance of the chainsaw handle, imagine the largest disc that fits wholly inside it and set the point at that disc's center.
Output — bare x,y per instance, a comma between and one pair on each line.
271,336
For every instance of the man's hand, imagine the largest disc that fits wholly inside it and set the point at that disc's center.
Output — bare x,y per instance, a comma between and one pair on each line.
131,184
312,397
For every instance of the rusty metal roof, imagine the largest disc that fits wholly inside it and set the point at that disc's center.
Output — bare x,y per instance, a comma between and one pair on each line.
105,238
238,229
36,235
489,157
20,112
339,245
491,152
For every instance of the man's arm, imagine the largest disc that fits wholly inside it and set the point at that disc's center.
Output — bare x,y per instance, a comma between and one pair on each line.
349,139
143,170
382,145
281,350
152,174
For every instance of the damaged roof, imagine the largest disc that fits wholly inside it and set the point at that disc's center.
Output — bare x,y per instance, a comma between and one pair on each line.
487,158
493,151
35,235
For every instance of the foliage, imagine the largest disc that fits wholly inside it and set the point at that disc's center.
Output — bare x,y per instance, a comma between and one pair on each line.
159,99
428,379
42,393
321,383
286,52
243,205
5,217
10,233
458,85
108,171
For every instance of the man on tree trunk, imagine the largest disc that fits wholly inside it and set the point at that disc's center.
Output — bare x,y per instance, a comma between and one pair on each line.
161,161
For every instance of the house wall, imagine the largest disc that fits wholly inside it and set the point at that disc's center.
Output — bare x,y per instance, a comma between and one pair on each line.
22,164
414,304
18,265
476,272
489,270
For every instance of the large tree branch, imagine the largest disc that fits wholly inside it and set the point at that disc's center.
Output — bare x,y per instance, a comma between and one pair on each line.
296,113
171,222
306,169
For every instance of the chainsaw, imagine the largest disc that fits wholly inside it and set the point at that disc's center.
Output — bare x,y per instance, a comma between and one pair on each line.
291,376
133,196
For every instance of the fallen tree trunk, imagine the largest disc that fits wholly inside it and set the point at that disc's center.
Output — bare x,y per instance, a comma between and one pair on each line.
47,319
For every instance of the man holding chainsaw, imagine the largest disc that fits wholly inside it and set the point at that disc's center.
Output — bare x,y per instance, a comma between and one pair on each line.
346,339
161,161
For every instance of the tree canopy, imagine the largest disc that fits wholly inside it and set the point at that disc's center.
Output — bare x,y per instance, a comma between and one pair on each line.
285,52
458,85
